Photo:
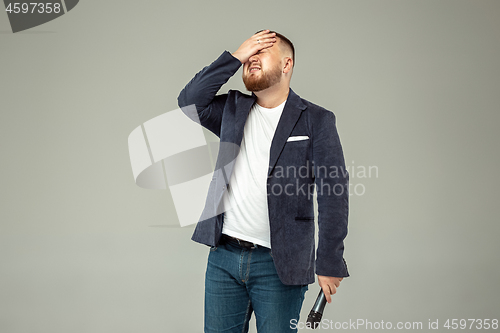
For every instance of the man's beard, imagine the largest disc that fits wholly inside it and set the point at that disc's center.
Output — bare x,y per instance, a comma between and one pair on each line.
266,79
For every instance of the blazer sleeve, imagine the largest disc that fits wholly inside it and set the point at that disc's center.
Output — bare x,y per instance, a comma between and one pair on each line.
203,87
332,186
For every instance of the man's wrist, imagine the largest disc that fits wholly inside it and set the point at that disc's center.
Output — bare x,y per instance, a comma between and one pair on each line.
237,56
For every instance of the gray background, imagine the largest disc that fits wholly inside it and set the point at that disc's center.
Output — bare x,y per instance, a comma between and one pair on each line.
415,88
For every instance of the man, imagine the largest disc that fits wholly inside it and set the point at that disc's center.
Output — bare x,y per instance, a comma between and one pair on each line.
258,218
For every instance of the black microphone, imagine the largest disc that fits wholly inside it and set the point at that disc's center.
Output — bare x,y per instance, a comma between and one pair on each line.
316,313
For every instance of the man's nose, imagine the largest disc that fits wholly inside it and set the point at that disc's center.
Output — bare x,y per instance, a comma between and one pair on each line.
253,58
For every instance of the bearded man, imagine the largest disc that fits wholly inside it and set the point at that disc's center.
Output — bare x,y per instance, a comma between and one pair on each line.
259,219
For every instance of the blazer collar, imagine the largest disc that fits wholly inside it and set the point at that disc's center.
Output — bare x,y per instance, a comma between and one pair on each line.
289,117
293,100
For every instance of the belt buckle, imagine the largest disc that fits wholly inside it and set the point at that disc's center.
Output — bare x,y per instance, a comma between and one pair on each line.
239,243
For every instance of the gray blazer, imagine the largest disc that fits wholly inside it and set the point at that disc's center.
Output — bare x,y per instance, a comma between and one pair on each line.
294,167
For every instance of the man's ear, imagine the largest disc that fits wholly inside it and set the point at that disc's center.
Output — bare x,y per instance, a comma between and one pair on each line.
288,65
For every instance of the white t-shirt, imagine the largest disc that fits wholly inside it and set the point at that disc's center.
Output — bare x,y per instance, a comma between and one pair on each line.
246,213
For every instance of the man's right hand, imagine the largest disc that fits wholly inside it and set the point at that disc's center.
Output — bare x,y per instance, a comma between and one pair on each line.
254,44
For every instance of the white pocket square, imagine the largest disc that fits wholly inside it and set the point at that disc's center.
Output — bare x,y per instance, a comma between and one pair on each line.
297,138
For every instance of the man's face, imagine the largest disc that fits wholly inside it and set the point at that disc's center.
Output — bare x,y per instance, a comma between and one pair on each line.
263,69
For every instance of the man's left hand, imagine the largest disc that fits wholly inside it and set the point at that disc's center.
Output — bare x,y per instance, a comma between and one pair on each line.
329,284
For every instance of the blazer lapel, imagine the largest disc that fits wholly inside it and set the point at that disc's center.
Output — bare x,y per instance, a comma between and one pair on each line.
291,113
232,142
241,115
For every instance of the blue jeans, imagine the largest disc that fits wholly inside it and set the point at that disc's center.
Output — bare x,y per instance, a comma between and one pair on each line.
240,281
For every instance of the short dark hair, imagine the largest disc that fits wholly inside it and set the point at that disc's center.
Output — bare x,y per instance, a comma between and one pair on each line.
286,41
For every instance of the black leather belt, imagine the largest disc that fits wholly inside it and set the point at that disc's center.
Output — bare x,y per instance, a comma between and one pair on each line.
247,245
